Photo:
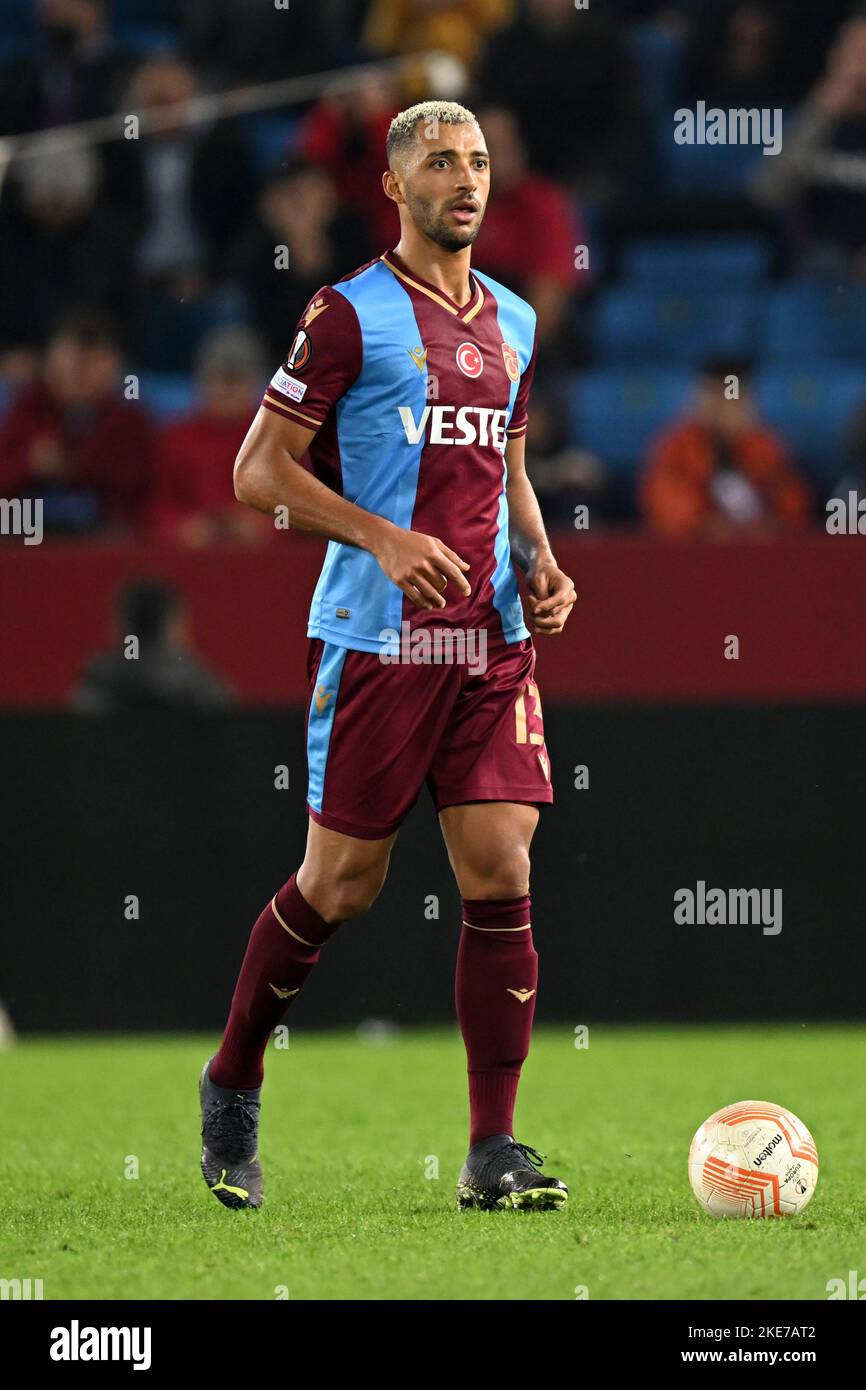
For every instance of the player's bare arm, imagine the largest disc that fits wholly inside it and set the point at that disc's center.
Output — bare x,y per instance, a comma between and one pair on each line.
267,475
551,593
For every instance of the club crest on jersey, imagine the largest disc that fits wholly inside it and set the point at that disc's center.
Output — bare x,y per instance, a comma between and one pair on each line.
300,352
469,360
512,366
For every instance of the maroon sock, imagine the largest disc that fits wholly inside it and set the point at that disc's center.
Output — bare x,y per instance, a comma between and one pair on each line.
497,978
283,948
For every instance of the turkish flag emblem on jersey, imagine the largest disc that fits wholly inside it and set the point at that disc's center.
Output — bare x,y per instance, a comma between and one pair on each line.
512,366
469,360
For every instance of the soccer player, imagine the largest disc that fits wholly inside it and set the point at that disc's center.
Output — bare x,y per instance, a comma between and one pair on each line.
407,385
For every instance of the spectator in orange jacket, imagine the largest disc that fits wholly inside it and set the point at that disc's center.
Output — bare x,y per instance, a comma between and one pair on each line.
720,470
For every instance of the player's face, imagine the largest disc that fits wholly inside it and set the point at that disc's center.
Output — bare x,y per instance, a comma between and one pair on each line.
447,183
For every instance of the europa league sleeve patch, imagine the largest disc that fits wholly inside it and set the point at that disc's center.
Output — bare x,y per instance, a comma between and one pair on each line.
300,352
303,389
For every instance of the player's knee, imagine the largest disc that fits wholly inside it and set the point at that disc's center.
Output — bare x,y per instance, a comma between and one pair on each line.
344,893
496,874
355,896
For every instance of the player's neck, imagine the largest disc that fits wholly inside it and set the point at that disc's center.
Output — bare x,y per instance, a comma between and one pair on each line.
444,270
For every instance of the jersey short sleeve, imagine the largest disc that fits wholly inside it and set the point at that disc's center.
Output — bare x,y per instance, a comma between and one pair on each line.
519,419
321,364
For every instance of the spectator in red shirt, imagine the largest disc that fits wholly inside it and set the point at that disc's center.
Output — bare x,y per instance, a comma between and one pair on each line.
73,440
720,470
345,133
531,229
194,500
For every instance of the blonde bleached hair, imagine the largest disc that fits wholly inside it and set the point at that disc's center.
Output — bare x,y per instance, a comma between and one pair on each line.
432,113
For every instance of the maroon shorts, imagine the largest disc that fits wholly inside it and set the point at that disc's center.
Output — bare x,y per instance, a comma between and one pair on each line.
376,732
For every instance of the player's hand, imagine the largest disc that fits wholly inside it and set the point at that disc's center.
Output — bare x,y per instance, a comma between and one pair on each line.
551,597
422,566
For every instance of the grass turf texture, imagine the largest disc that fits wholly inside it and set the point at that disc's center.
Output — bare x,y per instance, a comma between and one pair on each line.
347,1128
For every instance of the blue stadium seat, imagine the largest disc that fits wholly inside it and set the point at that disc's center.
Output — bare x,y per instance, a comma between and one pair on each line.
167,332
19,33
616,413
807,322
708,170
270,138
142,40
142,13
657,54
635,324
697,263
812,407
166,394
142,27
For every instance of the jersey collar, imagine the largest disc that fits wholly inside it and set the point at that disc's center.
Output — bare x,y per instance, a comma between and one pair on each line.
468,311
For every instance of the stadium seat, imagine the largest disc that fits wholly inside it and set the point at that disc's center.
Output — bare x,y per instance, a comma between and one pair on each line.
697,263
168,333
142,40
19,33
808,322
705,170
635,324
142,13
657,54
812,407
616,413
269,138
166,394
141,27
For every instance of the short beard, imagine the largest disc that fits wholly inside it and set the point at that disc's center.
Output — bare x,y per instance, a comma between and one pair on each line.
436,228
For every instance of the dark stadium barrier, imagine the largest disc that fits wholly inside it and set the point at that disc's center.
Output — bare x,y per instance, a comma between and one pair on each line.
650,623
182,815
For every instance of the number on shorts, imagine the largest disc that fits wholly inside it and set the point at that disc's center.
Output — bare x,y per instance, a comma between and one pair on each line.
520,712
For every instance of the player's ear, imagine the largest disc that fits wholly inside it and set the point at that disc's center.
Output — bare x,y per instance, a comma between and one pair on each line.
391,185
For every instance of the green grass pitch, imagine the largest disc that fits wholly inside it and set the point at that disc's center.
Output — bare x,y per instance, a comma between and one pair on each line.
352,1131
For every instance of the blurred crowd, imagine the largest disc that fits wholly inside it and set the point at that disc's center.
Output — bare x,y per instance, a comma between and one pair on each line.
143,306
